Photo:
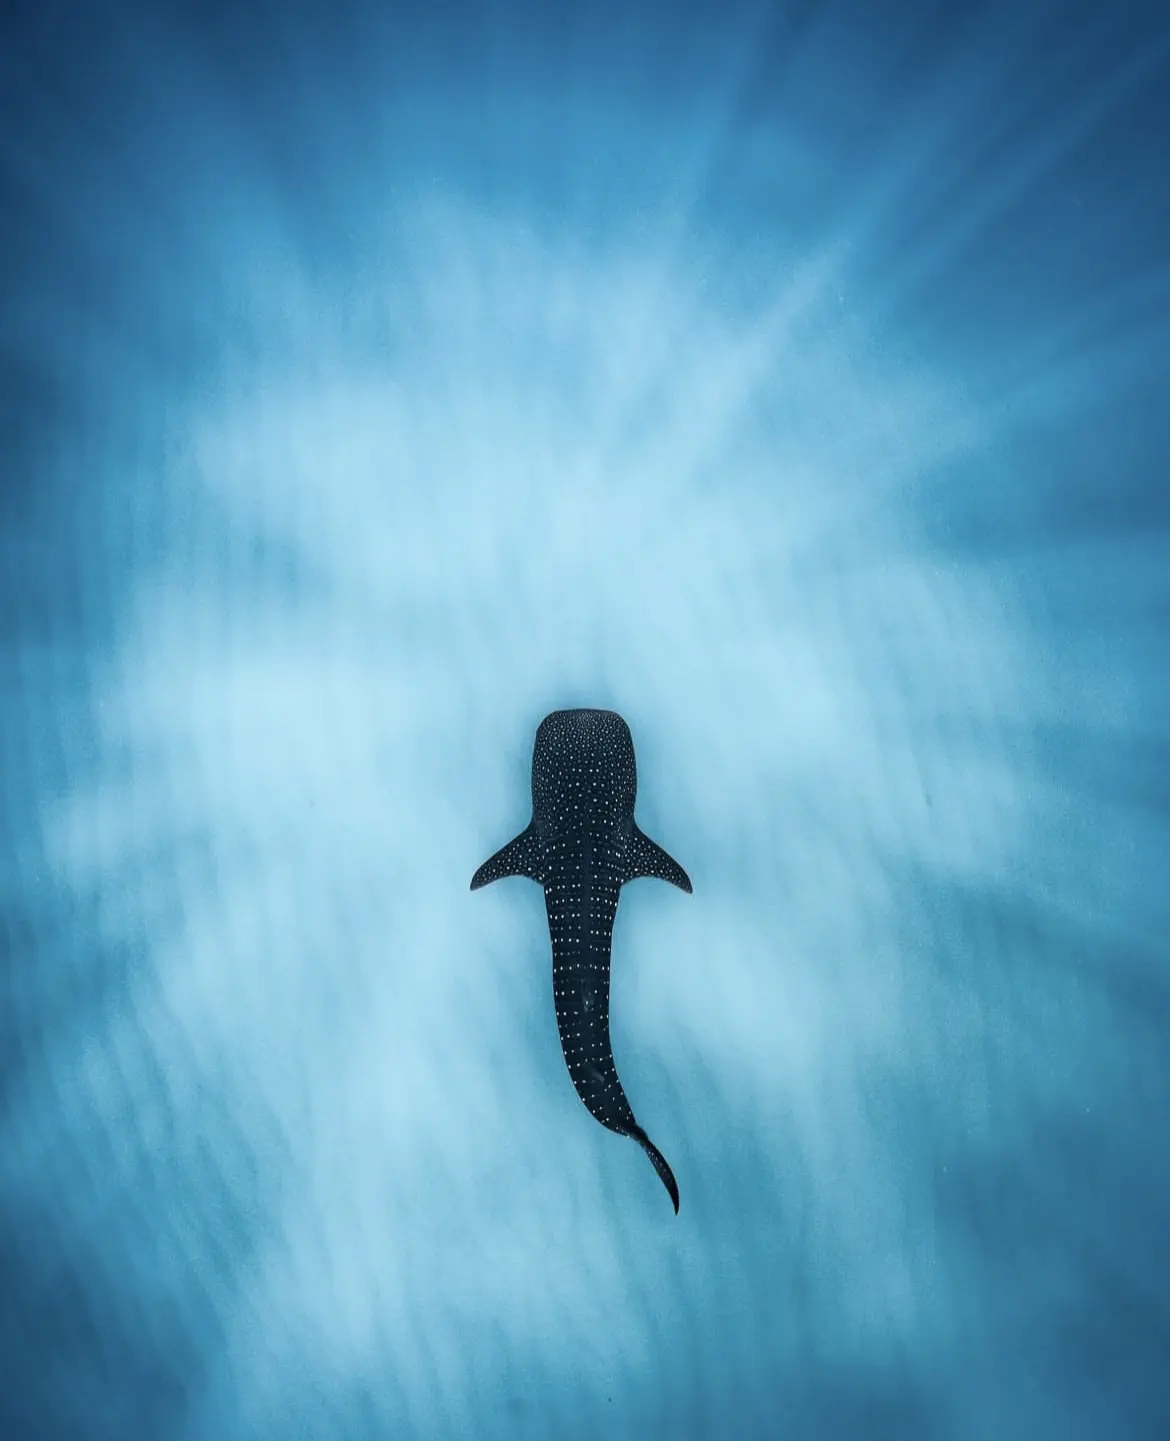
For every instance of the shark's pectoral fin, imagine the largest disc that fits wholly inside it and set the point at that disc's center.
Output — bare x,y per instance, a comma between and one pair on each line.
646,858
522,856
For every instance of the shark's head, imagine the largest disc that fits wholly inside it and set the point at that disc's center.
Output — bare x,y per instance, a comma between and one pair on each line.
583,759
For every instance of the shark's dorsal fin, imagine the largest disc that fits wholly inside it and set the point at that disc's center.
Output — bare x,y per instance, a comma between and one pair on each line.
645,857
522,856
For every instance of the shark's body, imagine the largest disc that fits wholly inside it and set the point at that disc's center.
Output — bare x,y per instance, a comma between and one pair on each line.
582,845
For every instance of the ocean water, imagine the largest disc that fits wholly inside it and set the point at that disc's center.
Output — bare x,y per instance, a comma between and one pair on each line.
789,378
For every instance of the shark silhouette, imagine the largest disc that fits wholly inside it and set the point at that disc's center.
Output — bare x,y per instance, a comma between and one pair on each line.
582,845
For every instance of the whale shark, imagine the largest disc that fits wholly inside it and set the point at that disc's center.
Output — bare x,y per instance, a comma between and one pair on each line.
582,845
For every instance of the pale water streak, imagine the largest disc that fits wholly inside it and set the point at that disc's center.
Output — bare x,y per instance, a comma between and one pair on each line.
794,385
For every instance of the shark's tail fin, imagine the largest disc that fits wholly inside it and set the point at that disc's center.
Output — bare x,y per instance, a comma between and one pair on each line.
659,1162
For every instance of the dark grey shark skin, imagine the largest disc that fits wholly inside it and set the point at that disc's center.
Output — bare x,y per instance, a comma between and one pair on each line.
583,845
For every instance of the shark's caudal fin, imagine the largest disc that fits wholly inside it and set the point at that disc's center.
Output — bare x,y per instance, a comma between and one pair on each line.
522,856
659,1162
646,858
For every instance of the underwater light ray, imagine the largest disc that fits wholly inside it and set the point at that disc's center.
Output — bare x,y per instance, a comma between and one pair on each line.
328,519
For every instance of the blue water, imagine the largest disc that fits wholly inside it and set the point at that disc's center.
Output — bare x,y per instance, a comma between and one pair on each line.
792,380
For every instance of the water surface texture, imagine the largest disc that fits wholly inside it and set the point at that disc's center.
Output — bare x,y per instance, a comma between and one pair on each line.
790,379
